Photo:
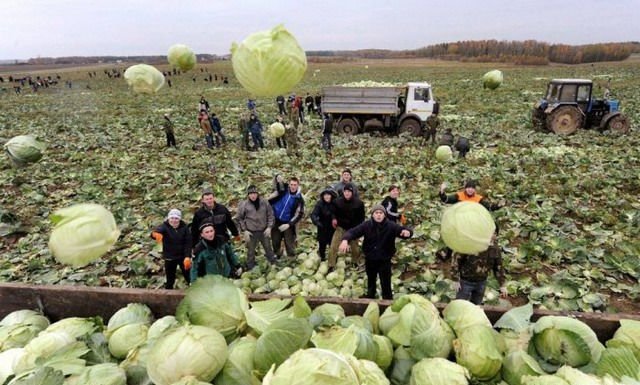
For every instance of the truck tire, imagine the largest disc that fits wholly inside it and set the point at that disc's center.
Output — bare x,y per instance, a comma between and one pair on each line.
618,124
411,126
348,126
565,120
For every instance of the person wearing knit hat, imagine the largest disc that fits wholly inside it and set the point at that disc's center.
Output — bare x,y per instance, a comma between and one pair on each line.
346,177
349,212
321,216
255,219
378,246
468,194
175,237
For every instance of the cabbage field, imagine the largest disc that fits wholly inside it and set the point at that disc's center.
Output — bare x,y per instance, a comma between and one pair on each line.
569,228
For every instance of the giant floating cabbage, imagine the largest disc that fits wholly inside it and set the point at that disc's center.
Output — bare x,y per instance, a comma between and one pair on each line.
269,63
281,339
214,301
467,227
181,56
188,350
276,129
560,340
477,350
444,153
438,371
82,233
24,149
492,79
313,366
144,79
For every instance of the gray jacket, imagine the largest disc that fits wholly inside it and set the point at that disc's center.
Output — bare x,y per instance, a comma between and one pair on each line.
249,218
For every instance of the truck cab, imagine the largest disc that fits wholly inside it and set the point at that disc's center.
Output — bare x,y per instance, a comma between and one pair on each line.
420,100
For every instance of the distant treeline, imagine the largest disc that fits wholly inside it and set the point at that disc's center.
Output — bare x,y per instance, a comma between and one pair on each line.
529,52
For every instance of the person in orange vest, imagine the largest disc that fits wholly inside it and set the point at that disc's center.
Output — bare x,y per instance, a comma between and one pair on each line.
468,194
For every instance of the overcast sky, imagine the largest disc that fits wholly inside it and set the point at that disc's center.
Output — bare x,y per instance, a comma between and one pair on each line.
32,28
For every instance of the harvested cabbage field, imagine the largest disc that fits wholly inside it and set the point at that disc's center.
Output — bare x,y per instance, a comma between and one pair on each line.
569,229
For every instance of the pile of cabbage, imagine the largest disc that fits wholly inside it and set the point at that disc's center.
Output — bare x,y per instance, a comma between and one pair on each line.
218,336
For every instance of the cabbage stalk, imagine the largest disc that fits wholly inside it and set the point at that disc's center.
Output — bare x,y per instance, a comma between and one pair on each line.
269,63
188,350
24,149
181,56
467,227
492,79
82,233
438,371
144,79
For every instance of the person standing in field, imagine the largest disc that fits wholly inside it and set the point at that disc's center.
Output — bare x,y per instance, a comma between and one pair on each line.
390,204
168,130
327,128
205,125
378,247
219,215
281,105
349,213
291,133
243,125
322,216
318,102
346,177
203,104
213,255
288,209
255,219
308,102
175,237
431,127
255,128
217,129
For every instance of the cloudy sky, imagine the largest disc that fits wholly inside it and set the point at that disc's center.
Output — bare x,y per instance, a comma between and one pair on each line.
32,28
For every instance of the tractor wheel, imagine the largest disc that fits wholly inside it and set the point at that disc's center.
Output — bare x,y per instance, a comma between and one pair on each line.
538,119
564,120
619,124
411,126
348,126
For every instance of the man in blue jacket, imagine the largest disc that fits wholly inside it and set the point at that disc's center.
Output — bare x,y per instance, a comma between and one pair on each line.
378,247
288,209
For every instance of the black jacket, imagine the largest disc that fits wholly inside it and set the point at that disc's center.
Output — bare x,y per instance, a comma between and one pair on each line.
391,205
322,215
221,219
349,213
176,243
379,238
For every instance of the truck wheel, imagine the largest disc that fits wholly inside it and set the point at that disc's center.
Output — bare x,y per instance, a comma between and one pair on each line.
411,126
348,126
619,124
564,120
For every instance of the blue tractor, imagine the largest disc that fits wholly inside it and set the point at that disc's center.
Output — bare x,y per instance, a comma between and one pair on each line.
569,104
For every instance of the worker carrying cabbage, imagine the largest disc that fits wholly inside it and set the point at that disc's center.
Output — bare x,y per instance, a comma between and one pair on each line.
473,271
213,255
378,246
468,194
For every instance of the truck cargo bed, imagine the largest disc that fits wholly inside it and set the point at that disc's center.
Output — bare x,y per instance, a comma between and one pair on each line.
361,100
57,301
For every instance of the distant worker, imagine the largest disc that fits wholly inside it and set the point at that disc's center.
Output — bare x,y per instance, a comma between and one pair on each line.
281,105
431,127
327,128
168,130
462,146
446,139
255,128
308,102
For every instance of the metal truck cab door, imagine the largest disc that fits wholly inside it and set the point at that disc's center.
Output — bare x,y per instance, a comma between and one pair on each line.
419,102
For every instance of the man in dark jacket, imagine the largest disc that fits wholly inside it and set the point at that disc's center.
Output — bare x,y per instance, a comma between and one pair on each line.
213,212
349,213
281,105
322,217
288,209
175,237
390,204
308,101
378,246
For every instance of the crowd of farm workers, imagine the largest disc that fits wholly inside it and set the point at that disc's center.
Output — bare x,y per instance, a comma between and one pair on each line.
205,246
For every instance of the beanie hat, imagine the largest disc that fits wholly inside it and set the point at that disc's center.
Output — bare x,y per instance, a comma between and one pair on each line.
174,213
378,208
205,224
348,186
207,191
330,191
252,189
471,183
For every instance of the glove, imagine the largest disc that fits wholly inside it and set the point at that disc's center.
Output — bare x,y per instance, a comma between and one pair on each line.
187,263
237,272
267,232
403,220
246,235
157,236
283,227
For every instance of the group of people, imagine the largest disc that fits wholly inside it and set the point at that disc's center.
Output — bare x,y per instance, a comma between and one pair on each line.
431,126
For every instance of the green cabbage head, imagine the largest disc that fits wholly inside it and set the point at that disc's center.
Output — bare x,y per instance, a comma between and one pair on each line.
313,366
24,149
188,350
467,227
103,374
19,327
492,79
144,79
438,371
182,57
239,368
269,63
82,233
518,364
477,350
444,153
461,314
276,130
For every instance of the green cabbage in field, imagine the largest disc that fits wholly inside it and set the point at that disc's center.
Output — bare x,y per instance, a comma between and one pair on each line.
492,79
276,130
182,57
24,149
444,153
269,63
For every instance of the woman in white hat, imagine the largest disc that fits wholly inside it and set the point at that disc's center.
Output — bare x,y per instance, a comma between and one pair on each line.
175,236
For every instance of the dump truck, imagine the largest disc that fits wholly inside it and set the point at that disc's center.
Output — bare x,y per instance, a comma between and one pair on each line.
393,109
63,301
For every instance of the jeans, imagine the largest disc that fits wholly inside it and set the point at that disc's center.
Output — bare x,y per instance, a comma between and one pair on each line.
324,239
471,291
258,236
326,141
257,140
170,266
209,139
289,236
377,269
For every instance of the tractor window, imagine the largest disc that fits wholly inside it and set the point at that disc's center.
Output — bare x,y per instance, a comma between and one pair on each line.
583,93
553,93
569,92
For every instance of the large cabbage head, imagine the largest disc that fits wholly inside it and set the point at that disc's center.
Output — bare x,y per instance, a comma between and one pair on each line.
353,340
188,350
19,327
269,63
82,233
313,366
24,149
282,338
239,368
182,57
368,372
385,351
438,371
144,79
126,338
103,374
461,314
77,327
214,301
131,314
467,227
560,340
627,335
518,364
444,153
477,350
276,129
492,79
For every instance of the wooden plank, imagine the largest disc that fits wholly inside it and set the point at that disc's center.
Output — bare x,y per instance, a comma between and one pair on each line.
56,302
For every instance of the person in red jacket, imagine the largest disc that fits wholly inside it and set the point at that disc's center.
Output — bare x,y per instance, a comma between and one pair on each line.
378,246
